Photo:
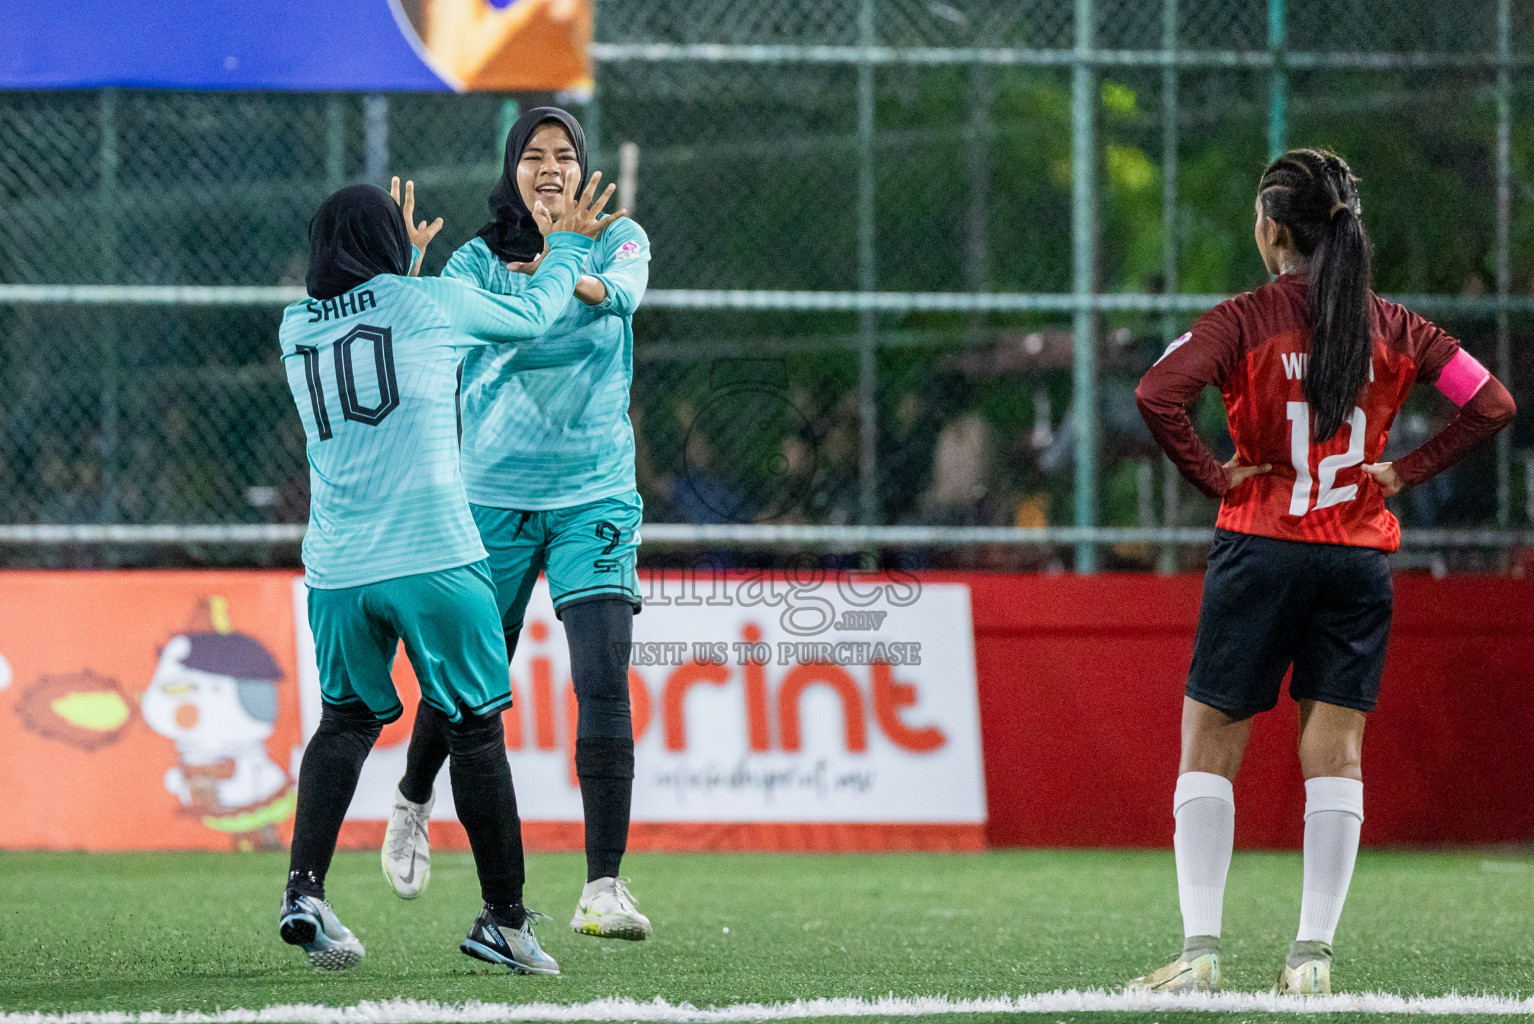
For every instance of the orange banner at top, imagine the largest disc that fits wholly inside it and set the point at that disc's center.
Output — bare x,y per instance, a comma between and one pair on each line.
504,46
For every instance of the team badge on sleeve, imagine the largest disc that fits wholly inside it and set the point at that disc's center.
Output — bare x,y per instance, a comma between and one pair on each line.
1174,346
627,251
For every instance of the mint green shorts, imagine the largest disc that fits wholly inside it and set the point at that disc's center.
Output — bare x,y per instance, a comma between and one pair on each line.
452,636
588,551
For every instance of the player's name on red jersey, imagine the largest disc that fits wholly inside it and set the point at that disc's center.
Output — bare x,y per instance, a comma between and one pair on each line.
1296,363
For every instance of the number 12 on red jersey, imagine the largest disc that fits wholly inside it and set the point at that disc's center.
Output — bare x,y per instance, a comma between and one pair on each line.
1328,494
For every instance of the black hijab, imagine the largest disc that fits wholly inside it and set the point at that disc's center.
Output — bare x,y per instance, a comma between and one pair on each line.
355,235
511,234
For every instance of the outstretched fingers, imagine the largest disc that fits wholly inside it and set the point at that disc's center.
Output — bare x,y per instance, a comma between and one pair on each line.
602,202
584,214
409,208
591,190
541,217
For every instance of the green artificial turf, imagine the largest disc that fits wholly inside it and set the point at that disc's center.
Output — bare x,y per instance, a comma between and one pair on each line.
199,931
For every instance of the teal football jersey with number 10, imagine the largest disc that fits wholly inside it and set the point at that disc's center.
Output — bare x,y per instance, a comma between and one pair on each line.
374,373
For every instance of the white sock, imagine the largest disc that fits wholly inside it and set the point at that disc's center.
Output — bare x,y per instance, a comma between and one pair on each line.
1334,812
1205,810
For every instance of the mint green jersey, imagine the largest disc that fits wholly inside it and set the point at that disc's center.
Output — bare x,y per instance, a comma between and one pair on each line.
373,373
546,424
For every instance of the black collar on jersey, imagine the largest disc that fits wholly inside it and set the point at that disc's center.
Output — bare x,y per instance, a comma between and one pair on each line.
511,234
355,235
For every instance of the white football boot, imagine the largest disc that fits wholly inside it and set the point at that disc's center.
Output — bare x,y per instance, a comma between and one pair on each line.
607,911
1311,978
1307,971
407,847
1201,974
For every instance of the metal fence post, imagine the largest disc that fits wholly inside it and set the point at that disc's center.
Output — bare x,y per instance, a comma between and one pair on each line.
868,324
978,165
591,121
335,143
510,111
1167,562
1084,279
106,193
375,129
1278,80
1504,217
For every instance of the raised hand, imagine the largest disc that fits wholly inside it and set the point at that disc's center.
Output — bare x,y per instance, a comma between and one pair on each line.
543,219
1385,475
584,215
420,234
529,268
1239,474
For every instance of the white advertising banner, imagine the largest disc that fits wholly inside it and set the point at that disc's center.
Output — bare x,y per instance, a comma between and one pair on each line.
849,699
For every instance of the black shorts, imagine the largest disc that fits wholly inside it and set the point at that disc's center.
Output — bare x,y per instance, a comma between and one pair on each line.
1269,604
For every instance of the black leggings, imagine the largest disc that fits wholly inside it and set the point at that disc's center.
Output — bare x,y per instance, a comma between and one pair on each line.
326,781
487,806
600,633
482,792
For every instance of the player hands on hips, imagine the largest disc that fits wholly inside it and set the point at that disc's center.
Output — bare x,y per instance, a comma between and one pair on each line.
1314,368
551,488
392,555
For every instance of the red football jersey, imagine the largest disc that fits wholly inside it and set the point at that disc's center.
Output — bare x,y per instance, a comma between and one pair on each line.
1254,348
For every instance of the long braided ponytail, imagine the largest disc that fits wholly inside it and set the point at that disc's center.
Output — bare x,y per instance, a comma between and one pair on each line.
1313,193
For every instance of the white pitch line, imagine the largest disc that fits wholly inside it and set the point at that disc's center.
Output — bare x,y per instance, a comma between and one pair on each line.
411,1011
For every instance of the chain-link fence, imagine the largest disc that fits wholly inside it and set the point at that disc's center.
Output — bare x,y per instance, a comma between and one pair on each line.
899,247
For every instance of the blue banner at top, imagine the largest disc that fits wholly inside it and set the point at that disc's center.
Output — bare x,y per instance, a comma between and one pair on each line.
297,45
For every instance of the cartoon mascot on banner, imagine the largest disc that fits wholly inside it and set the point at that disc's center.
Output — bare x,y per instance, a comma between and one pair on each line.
214,695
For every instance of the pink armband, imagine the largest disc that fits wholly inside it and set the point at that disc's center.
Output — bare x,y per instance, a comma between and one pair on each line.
1462,377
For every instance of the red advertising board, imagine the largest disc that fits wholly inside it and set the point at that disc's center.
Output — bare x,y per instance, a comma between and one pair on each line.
1081,693
166,710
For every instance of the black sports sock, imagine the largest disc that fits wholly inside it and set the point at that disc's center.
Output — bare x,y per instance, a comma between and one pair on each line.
326,781
507,916
306,882
606,770
487,807
428,743
427,751
600,632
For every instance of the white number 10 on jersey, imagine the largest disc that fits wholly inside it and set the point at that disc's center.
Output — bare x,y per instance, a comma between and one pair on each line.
1328,494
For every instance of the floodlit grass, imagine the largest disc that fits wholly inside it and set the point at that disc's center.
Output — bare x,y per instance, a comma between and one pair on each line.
199,931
